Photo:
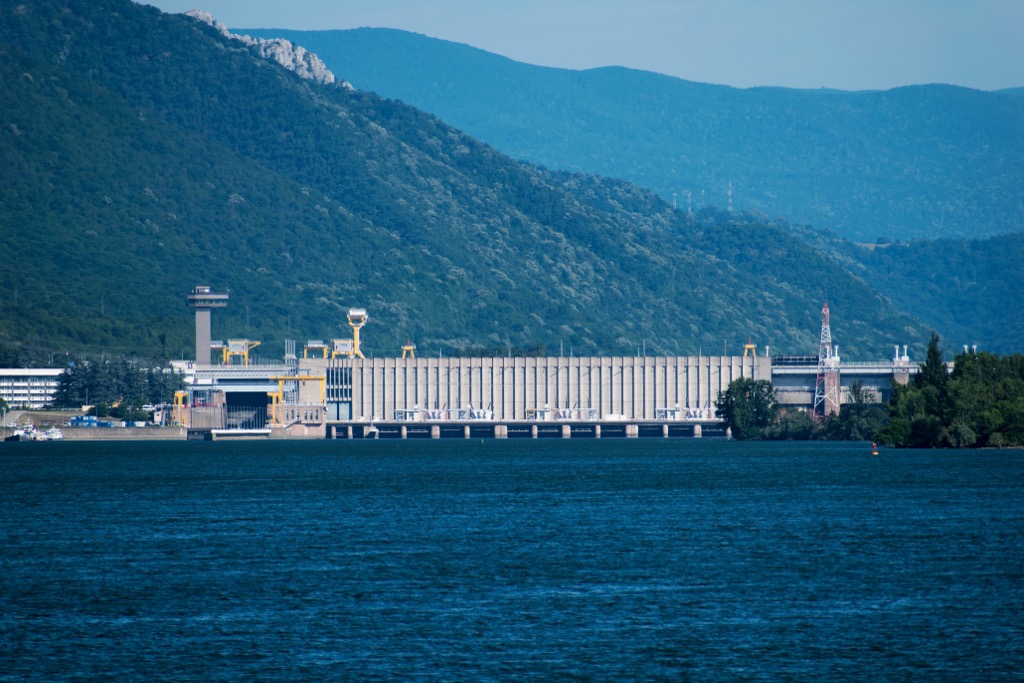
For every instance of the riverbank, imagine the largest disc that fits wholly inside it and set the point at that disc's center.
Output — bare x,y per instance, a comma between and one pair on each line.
43,419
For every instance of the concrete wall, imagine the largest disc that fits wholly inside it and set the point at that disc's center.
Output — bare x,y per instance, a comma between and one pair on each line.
123,434
794,387
630,386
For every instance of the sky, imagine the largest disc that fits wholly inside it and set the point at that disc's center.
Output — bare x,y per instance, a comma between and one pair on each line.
843,44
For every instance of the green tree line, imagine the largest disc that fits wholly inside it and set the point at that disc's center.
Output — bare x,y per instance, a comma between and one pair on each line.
115,387
980,403
751,411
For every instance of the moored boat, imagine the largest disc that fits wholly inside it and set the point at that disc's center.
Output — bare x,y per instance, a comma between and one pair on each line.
25,432
53,434
28,432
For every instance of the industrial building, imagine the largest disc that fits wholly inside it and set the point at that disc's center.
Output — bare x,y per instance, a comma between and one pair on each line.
29,388
334,391
522,388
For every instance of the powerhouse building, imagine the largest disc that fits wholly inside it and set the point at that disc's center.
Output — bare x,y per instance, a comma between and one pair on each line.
526,388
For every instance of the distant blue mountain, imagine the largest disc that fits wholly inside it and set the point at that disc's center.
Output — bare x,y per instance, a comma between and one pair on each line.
915,162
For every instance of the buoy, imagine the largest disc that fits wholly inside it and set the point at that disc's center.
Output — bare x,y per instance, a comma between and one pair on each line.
874,448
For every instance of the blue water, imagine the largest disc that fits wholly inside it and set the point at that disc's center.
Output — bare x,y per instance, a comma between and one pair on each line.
652,559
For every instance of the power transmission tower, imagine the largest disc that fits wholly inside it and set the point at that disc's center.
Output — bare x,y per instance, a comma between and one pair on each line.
826,388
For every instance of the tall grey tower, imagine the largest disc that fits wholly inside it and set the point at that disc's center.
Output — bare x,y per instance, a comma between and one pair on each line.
202,299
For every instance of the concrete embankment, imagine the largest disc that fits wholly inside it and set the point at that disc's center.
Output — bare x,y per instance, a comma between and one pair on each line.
42,419
123,434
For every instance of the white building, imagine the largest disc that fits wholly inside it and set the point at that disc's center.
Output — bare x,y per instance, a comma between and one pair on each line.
29,387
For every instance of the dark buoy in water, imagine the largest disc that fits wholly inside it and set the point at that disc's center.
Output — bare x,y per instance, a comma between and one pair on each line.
874,448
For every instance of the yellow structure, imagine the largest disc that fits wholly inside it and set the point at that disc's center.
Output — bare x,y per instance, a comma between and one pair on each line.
409,350
238,347
357,317
315,345
749,348
277,404
178,412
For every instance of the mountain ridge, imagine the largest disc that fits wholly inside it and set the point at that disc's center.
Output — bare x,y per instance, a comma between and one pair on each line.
913,162
176,157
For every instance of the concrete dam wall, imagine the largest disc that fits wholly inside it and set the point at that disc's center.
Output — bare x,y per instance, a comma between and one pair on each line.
517,388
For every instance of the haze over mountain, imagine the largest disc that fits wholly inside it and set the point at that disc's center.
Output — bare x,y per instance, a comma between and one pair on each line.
916,162
145,153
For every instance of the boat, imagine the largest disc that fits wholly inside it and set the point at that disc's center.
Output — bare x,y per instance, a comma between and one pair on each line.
26,432
53,434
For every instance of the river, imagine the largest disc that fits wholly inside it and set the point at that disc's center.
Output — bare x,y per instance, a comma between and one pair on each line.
652,559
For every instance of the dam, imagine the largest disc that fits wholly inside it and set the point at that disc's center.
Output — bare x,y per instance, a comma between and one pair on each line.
531,390
519,388
333,391
602,396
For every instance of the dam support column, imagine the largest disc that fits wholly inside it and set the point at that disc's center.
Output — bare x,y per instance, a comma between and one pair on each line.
632,431
697,433
435,431
500,431
597,431
566,431
533,431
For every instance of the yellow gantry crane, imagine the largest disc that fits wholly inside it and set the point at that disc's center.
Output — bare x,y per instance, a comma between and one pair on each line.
409,350
239,348
315,346
277,397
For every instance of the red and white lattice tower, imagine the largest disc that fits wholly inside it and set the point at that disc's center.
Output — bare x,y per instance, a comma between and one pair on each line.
826,389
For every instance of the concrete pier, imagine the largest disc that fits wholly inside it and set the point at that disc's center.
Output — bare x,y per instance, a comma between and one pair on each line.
529,430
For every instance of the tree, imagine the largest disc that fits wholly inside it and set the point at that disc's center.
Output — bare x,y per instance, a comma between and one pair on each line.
986,398
859,420
792,425
748,407
117,381
933,370
916,411
979,404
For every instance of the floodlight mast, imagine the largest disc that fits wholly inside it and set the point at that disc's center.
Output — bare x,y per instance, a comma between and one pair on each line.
357,317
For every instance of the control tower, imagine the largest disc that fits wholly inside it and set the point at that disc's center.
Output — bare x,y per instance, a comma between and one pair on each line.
202,300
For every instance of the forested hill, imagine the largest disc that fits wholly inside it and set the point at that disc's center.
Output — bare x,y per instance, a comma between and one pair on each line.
916,162
969,289
145,153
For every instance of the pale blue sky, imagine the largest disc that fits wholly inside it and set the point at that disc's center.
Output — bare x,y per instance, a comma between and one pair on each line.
845,44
